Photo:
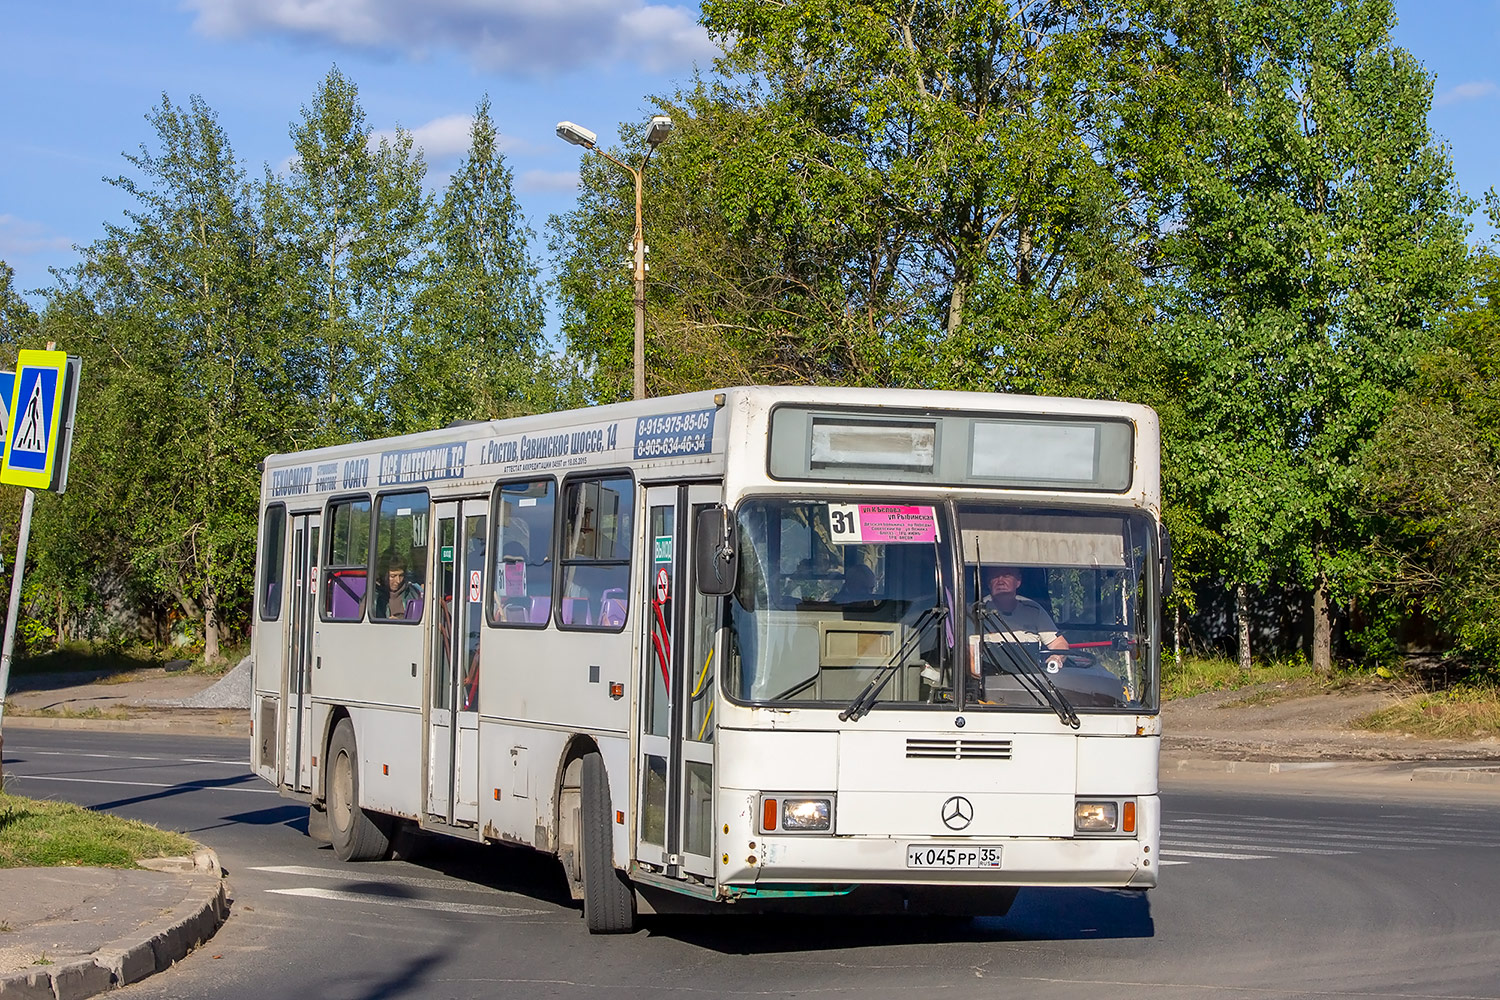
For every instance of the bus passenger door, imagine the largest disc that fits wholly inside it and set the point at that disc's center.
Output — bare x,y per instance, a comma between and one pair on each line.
677,735
453,666
296,754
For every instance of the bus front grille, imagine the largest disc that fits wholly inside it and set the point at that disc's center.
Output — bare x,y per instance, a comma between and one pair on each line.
957,749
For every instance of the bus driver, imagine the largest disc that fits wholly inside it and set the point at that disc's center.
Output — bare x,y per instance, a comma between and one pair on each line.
1024,619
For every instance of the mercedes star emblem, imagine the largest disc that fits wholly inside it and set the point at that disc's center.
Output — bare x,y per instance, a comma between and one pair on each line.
958,812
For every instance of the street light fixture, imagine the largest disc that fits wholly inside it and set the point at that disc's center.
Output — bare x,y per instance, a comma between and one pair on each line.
657,132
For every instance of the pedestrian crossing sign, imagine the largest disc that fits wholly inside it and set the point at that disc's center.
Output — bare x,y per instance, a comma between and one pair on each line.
39,424
7,389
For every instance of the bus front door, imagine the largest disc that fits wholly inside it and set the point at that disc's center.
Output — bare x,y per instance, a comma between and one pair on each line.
677,732
296,756
453,666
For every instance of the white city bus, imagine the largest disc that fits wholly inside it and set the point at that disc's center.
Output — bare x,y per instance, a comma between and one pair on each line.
736,648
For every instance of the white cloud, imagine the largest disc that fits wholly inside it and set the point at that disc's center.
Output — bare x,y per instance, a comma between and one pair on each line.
438,139
516,37
1474,90
535,181
22,237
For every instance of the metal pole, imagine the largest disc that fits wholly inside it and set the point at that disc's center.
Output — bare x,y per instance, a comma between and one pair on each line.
22,534
640,292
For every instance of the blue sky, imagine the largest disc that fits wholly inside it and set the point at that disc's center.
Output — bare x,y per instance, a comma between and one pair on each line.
80,76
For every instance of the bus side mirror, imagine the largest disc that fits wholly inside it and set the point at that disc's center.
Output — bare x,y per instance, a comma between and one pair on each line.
1166,563
716,562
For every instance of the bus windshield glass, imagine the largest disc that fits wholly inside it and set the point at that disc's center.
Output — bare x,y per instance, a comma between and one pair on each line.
1061,609
861,605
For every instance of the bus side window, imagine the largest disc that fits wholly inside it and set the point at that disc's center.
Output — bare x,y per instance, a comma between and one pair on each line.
522,572
400,584
272,561
348,559
597,532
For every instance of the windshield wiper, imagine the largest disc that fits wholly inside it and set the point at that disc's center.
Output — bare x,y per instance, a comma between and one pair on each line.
865,700
1031,677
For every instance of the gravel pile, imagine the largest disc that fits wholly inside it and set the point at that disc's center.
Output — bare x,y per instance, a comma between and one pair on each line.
231,691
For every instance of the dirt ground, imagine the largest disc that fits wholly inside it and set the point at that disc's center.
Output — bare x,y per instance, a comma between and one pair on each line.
144,697
1272,722
1275,724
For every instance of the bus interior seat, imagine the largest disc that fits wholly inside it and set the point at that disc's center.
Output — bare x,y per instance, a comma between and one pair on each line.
612,607
346,589
575,611
526,610
414,609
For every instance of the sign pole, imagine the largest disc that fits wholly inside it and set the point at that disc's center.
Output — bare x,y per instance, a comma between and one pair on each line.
23,533
38,438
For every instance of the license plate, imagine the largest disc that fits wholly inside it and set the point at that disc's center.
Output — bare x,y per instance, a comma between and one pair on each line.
949,856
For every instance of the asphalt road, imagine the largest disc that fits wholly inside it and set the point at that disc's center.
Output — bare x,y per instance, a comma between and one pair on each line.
1272,888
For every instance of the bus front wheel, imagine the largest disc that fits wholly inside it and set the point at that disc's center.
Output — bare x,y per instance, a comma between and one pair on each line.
356,835
608,899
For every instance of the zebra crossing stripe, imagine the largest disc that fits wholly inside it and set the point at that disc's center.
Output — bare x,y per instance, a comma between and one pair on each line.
410,904
366,876
1240,846
1222,856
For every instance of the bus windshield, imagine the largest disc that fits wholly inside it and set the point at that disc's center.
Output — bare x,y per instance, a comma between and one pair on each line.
974,606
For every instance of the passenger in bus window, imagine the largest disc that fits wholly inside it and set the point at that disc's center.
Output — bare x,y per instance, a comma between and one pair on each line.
1025,619
397,595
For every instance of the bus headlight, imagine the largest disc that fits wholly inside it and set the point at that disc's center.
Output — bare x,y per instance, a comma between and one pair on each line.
796,814
1104,817
1095,817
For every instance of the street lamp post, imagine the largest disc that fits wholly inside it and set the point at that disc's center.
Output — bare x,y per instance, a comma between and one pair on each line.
660,128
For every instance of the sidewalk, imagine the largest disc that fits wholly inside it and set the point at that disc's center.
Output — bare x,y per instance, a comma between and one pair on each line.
69,933
97,929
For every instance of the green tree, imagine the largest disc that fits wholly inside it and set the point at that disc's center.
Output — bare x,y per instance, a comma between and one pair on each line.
990,142
1319,233
1434,475
359,220
18,321
178,315
477,347
888,193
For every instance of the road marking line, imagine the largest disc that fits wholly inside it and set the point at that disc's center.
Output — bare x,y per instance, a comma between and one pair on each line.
346,875
186,785
413,904
1164,862
1353,846
1333,827
1369,841
116,756
1211,854
1259,847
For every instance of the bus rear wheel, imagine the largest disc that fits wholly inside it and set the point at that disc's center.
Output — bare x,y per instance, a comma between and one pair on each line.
608,899
356,835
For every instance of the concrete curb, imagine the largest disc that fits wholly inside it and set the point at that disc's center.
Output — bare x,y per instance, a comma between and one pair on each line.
1484,774
1478,772
179,725
154,948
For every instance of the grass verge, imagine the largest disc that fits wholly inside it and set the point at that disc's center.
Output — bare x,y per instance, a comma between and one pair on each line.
1464,711
117,665
1199,675
68,713
37,833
